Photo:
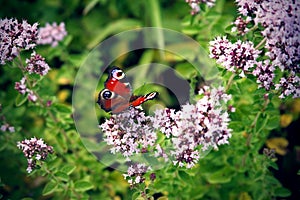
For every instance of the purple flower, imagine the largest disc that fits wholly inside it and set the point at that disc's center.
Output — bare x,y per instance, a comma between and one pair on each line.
34,150
22,89
264,72
16,36
204,124
239,56
129,132
194,4
21,86
289,86
52,34
281,23
241,25
7,127
135,173
36,64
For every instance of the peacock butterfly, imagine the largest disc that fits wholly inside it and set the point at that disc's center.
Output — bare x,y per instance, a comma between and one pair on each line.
117,93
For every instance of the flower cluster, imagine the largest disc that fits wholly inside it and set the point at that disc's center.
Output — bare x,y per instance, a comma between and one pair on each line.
36,64
204,125
264,72
289,86
270,153
52,34
241,25
281,23
135,173
129,132
194,4
14,37
34,150
235,57
22,89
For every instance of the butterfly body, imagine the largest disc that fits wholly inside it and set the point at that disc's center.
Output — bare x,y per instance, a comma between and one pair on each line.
117,95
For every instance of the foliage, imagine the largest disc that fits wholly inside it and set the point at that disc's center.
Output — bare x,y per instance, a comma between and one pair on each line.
238,170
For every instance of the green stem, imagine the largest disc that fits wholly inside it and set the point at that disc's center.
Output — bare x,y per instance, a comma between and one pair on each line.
229,82
261,43
252,126
40,100
155,17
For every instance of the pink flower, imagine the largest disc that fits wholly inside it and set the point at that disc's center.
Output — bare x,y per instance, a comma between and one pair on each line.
135,173
204,124
34,150
36,64
129,132
52,34
236,57
194,4
22,89
16,36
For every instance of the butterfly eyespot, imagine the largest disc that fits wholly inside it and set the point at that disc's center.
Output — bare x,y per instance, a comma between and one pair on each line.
106,94
118,74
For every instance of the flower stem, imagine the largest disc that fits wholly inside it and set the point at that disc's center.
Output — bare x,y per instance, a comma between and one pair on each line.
261,43
229,82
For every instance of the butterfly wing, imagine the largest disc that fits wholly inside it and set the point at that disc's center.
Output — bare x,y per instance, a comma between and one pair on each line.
115,97
117,94
110,101
138,100
118,83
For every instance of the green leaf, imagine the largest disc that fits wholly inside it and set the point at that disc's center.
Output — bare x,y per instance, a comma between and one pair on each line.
81,186
90,6
68,169
114,27
222,176
274,165
62,176
49,188
20,99
62,108
184,176
186,70
191,30
273,122
282,192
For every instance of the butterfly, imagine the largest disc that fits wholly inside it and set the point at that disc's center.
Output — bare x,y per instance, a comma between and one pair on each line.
117,93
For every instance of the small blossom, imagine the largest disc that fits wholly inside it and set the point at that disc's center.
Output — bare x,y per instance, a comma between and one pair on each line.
52,34
152,176
36,64
129,132
194,4
264,72
34,150
31,96
289,86
241,25
21,86
16,36
135,173
281,23
49,103
7,127
204,124
270,153
22,89
234,56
